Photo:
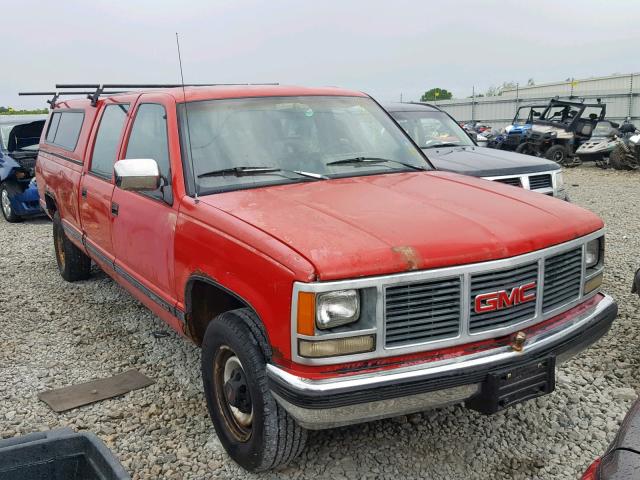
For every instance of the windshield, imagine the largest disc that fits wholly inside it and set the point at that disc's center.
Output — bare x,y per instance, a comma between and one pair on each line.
525,115
291,134
431,129
562,114
5,129
603,129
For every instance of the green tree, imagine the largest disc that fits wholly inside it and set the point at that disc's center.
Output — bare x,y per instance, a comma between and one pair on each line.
436,94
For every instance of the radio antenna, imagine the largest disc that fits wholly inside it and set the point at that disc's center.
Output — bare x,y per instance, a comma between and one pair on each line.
186,115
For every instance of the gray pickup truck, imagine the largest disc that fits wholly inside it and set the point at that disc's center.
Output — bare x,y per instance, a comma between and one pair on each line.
450,148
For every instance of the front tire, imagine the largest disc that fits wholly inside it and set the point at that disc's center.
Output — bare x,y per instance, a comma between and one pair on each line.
557,153
525,149
6,192
255,431
73,263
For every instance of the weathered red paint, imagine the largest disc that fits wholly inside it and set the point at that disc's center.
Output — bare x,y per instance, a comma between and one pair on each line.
257,242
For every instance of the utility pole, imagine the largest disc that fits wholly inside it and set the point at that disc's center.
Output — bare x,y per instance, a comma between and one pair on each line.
473,103
630,109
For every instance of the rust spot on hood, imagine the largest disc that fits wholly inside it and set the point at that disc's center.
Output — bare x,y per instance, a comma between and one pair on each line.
410,256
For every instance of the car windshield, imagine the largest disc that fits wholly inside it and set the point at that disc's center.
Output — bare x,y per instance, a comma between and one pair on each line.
603,129
5,129
253,142
561,114
431,129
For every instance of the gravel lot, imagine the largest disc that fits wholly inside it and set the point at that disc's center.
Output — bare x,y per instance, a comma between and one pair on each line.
55,334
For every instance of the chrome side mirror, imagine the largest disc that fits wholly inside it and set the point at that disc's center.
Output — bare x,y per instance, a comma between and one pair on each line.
137,175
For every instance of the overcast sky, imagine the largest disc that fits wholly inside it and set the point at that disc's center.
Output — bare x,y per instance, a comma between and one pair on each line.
384,48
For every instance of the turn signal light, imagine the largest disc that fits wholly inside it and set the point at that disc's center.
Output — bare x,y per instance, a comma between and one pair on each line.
593,283
336,346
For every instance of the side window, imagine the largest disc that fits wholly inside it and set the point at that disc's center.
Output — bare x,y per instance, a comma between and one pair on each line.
105,149
148,139
64,129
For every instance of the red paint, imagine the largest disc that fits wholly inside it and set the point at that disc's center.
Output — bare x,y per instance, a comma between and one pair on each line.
257,242
489,302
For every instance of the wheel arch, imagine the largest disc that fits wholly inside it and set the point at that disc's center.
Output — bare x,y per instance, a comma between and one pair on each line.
205,299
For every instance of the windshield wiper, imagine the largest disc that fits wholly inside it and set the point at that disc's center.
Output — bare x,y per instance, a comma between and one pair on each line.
249,171
444,144
370,160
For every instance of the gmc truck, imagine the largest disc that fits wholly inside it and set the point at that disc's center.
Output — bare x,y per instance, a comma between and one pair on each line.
304,241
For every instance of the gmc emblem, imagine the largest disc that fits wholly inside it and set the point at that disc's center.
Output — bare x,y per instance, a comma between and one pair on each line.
489,302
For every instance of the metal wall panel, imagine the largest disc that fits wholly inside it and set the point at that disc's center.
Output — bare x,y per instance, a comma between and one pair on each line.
621,93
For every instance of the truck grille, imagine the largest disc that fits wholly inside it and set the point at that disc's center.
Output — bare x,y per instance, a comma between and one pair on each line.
434,309
423,311
497,281
515,181
537,182
562,277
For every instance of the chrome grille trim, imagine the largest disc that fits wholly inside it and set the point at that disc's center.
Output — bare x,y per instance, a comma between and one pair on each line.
540,182
380,283
563,279
422,311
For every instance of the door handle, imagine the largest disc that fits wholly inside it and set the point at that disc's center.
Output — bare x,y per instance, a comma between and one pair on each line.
114,209
84,192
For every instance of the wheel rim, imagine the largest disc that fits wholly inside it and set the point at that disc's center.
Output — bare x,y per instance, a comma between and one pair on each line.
232,394
558,156
6,203
59,249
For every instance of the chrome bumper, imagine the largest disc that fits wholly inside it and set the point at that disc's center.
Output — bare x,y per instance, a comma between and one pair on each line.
328,403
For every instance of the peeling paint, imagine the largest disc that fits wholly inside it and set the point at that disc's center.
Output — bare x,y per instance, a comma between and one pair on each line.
410,256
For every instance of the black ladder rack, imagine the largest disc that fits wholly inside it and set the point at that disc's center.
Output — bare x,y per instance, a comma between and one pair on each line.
97,89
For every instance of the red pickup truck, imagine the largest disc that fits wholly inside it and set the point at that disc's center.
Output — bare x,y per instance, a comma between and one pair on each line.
330,275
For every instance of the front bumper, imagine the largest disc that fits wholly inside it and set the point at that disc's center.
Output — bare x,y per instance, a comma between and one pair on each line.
28,202
328,403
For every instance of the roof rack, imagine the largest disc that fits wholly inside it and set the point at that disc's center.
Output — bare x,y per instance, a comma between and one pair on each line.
98,89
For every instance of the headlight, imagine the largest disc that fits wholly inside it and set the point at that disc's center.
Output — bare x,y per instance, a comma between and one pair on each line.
337,308
592,257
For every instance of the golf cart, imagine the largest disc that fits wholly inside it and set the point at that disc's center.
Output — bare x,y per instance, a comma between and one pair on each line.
561,129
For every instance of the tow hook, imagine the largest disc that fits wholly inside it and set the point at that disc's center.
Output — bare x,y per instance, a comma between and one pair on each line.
518,341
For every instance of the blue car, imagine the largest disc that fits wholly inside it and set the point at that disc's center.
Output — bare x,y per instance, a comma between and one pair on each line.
19,138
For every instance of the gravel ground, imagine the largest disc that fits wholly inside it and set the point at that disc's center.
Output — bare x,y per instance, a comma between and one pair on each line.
55,334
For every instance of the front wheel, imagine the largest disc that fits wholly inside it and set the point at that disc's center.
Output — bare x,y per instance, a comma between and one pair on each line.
254,430
6,192
557,153
526,149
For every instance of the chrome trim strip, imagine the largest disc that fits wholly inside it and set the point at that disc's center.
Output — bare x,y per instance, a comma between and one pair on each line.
496,355
380,282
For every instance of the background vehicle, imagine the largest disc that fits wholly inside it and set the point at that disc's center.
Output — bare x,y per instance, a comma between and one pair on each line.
514,134
329,274
621,461
626,155
604,139
19,137
561,129
450,148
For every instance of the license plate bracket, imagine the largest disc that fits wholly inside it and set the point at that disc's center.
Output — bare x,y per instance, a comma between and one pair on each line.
509,386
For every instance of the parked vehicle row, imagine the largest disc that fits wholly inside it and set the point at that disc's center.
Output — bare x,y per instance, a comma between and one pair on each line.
330,274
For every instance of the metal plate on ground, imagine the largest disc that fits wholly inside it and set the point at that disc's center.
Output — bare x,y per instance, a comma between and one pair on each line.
66,398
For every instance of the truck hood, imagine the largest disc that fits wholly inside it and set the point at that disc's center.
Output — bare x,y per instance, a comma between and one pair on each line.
380,224
486,162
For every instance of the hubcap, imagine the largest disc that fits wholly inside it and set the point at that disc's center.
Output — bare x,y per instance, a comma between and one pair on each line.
232,393
6,203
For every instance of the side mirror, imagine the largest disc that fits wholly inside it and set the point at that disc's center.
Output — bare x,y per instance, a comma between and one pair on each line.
137,175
